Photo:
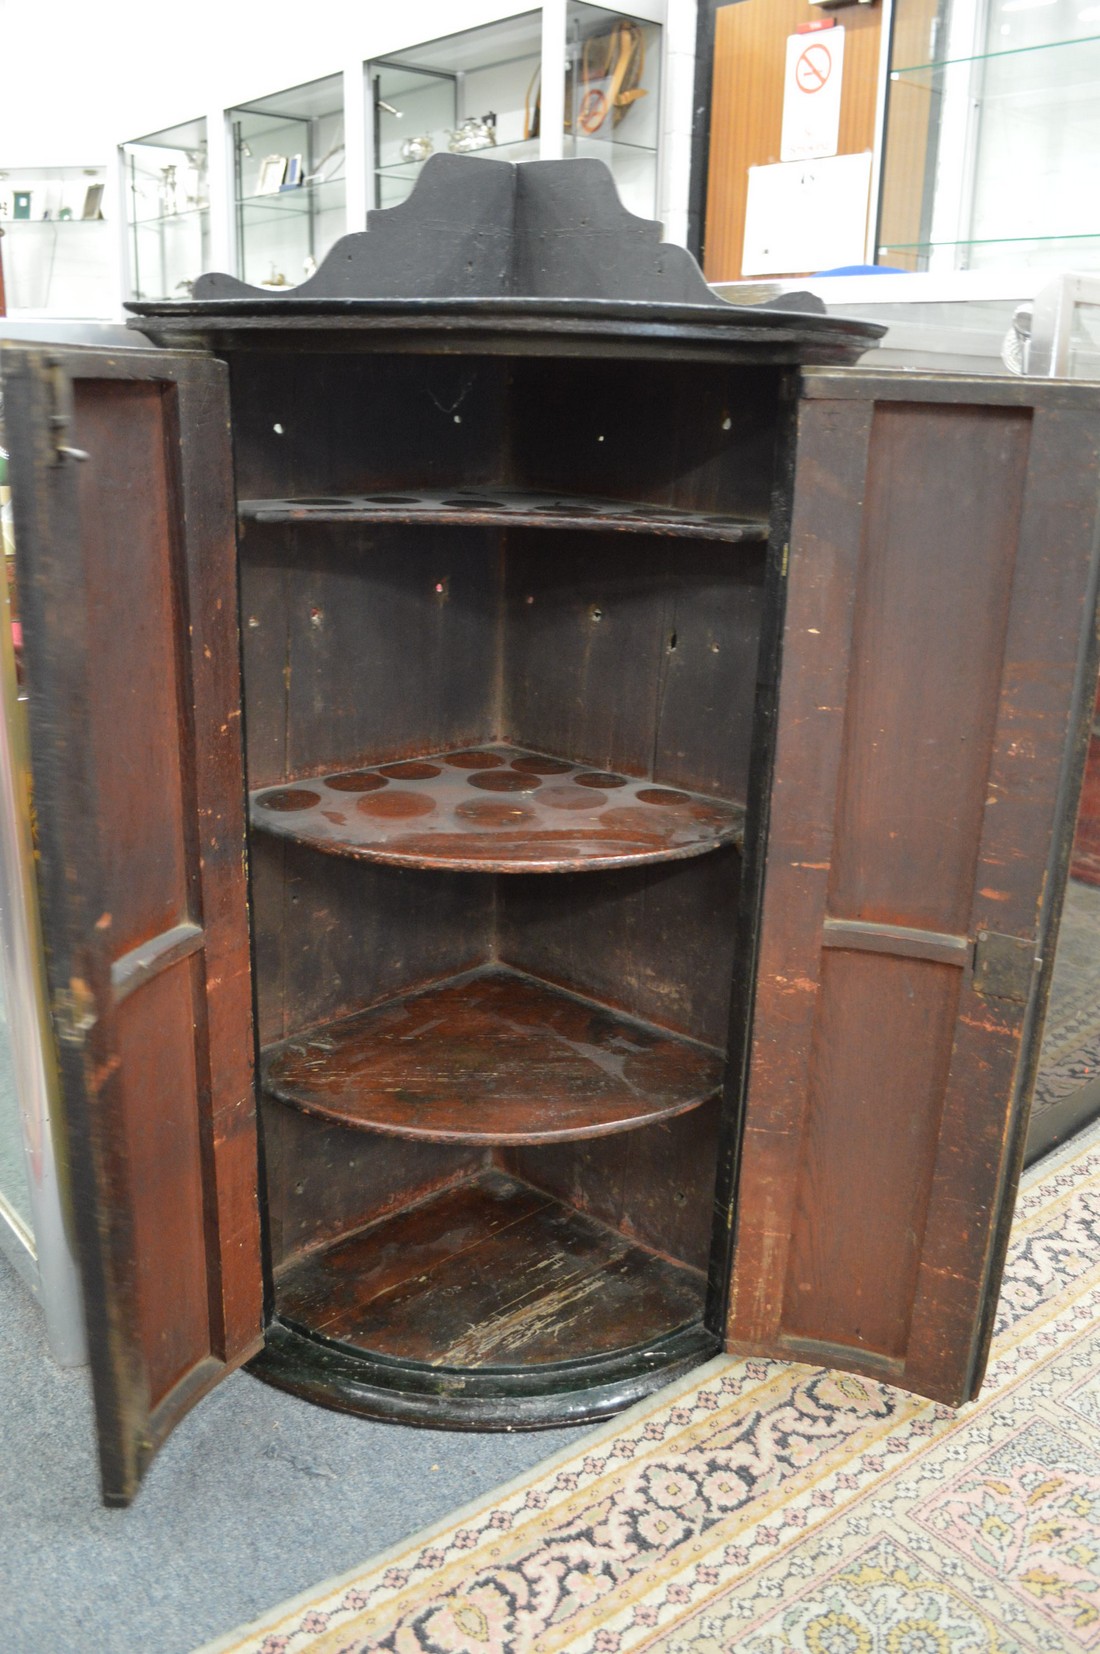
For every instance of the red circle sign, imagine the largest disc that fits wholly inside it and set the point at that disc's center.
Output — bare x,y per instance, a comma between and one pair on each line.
813,68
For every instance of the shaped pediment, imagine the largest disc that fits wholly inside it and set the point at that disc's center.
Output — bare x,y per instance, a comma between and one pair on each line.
484,229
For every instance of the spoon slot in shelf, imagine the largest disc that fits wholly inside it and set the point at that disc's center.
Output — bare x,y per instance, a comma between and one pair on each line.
497,809
505,505
491,1277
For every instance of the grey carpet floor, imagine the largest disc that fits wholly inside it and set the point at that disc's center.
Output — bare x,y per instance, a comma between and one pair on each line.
254,1498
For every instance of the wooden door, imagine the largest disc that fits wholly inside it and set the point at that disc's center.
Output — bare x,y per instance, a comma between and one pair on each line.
124,519
746,113
938,661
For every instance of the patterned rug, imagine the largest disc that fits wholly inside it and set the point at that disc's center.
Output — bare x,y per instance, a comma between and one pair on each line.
777,1509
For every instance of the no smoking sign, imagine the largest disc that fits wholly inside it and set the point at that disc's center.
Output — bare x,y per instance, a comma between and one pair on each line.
813,68
811,96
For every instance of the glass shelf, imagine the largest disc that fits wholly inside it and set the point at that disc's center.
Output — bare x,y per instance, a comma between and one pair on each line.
613,82
167,208
168,217
297,196
990,241
910,70
53,264
519,149
289,138
21,226
990,142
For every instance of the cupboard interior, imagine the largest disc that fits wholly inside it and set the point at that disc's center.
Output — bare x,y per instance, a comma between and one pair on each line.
491,1095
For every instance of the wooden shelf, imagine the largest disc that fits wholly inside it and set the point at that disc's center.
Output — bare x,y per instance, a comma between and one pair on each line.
497,809
492,1057
501,505
489,1274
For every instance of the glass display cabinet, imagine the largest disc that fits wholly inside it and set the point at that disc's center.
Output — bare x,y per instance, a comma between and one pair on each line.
168,210
57,247
471,93
992,134
481,92
613,79
290,189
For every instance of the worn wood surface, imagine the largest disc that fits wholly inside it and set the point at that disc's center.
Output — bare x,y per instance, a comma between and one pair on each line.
490,1274
322,1180
493,1057
939,606
634,659
325,421
653,1185
655,942
333,935
155,1037
545,229
711,450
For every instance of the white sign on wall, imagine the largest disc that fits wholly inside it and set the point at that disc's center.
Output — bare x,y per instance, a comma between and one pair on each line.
811,95
804,216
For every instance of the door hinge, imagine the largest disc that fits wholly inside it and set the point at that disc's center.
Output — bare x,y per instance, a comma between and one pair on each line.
1005,966
74,1012
60,415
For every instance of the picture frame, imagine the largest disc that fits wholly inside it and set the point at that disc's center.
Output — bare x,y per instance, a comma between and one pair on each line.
272,173
292,179
93,202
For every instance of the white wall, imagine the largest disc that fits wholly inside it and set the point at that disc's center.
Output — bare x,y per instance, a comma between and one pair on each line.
80,77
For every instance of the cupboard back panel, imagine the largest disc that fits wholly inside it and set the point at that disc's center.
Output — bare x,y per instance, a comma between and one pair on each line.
363,644
324,1181
308,423
670,433
667,433
656,942
655,1185
334,935
638,655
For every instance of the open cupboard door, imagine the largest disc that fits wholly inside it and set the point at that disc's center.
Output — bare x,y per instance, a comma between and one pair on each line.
124,516
938,669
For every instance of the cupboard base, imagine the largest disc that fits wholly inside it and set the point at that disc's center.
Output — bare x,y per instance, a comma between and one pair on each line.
413,1393
490,1305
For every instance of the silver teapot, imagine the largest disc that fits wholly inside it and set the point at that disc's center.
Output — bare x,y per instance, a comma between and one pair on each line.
475,132
416,149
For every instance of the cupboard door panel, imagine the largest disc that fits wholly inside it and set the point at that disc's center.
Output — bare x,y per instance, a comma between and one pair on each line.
122,491
938,644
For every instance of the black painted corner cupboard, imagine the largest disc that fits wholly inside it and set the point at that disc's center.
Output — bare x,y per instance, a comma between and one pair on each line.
657,742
